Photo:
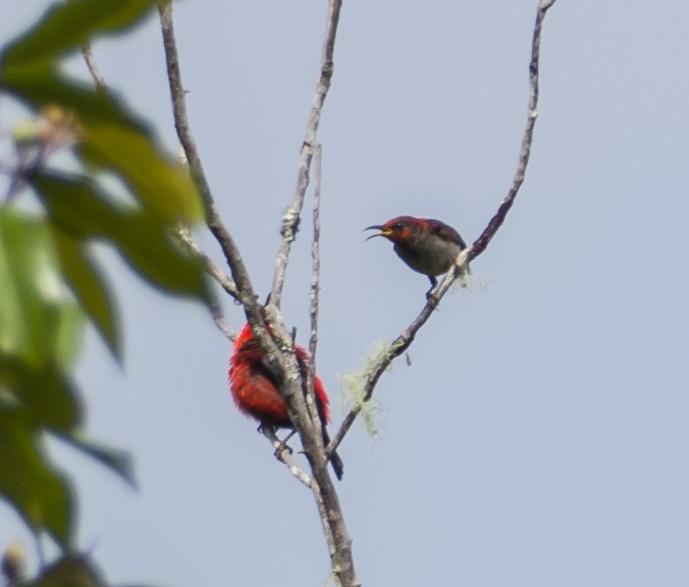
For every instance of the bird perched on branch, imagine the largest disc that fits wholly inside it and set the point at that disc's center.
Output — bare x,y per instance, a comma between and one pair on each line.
255,391
426,245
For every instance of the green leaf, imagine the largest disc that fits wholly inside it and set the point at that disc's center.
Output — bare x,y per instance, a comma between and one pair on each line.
159,183
70,335
72,570
118,460
111,138
40,494
39,86
82,210
66,26
43,396
83,276
37,323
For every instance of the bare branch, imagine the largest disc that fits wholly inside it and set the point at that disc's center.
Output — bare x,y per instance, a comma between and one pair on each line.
487,235
313,308
293,214
404,340
400,344
218,274
315,253
234,260
212,268
314,289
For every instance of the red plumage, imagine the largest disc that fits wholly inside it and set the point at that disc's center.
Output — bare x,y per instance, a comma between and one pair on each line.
256,394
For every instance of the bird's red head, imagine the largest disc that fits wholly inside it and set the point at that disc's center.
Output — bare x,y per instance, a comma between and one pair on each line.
400,229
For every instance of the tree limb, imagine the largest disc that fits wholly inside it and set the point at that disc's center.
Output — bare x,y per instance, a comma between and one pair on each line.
275,343
404,340
285,455
216,273
292,215
488,233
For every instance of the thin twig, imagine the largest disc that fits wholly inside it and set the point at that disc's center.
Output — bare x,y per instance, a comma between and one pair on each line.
98,78
285,455
313,306
315,253
292,215
404,340
216,273
400,344
314,288
487,235
212,268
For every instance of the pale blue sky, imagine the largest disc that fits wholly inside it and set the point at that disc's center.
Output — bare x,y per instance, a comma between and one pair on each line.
541,435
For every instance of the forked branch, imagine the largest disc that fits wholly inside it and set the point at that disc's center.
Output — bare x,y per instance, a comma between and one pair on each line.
292,216
277,346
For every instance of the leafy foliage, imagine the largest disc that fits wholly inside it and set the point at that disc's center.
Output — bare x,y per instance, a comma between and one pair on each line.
49,278
70,571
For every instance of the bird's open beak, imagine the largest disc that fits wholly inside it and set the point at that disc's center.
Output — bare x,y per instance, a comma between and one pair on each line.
376,227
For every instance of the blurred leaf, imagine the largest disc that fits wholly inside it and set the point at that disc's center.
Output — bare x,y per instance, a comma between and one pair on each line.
37,323
160,183
67,25
41,328
118,460
41,395
82,275
73,570
69,335
113,139
13,563
40,86
78,207
40,495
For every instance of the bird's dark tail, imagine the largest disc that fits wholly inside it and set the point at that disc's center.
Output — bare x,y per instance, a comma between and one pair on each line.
335,460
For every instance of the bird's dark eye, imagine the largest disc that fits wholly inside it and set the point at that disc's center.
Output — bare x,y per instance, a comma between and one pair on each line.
398,226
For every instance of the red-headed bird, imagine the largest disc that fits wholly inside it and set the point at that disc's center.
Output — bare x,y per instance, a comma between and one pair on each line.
428,246
256,394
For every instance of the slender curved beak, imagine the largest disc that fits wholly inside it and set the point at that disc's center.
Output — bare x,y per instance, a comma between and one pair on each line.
375,227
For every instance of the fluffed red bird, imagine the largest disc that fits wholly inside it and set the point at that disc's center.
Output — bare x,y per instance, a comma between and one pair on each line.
256,394
428,246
